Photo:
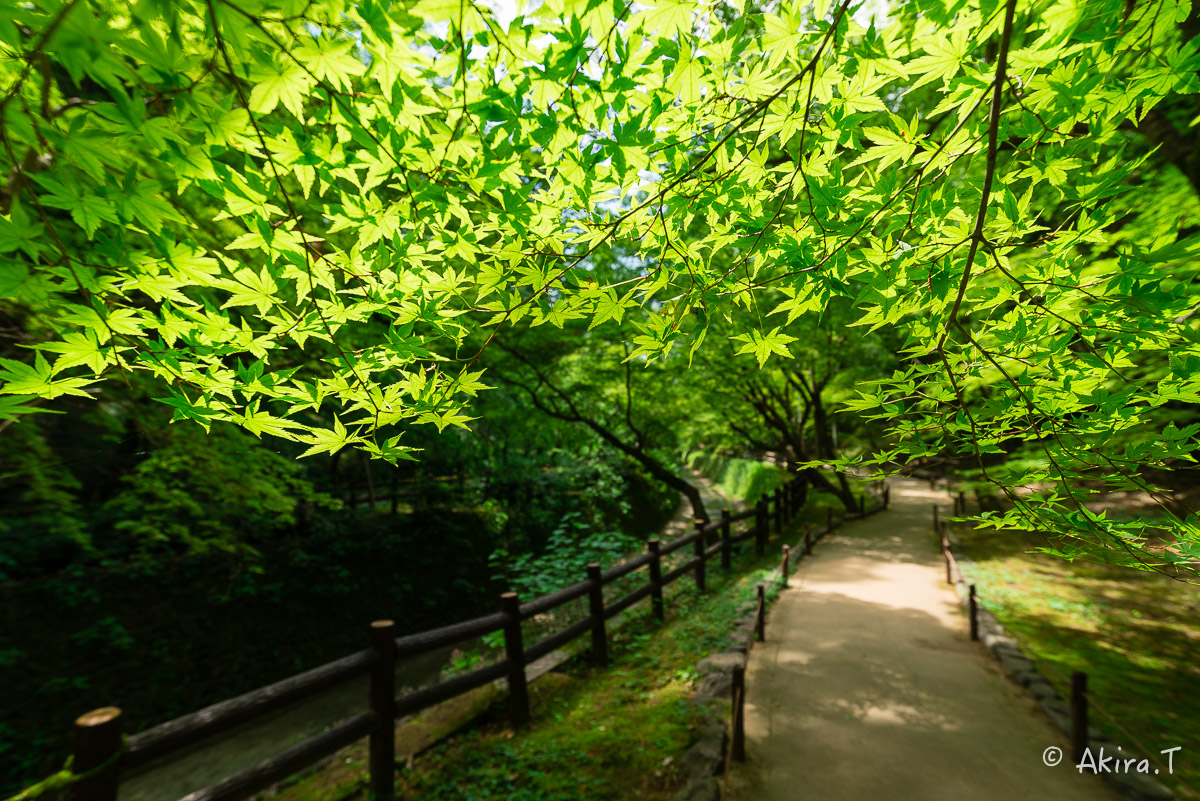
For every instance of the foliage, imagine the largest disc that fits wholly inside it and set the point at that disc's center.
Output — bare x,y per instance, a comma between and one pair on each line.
571,547
202,492
311,218
747,479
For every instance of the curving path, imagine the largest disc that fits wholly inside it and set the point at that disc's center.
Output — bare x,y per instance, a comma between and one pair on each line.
868,687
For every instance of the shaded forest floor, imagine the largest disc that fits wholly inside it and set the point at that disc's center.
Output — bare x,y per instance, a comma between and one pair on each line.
1136,634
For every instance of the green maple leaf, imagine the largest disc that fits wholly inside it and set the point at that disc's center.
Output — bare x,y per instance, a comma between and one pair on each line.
17,378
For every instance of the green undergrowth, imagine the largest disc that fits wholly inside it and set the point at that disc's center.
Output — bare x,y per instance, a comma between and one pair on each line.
748,479
1135,634
600,735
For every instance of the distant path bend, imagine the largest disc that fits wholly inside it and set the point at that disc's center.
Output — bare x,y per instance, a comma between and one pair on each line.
868,687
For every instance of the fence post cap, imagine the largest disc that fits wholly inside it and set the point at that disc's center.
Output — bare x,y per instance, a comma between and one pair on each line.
382,624
98,717
507,595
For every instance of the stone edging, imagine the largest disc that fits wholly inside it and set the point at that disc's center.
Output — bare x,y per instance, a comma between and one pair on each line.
704,760
1020,668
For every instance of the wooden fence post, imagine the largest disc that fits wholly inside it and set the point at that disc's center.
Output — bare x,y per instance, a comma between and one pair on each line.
738,738
656,586
382,743
779,511
829,520
698,548
596,610
514,651
973,605
936,525
807,538
887,496
760,528
1079,716
760,619
97,741
787,552
726,541
946,553
962,503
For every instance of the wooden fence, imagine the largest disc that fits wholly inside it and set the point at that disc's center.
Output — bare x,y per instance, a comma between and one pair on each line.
101,753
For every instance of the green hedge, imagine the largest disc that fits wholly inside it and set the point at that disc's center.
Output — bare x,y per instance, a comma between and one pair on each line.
747,479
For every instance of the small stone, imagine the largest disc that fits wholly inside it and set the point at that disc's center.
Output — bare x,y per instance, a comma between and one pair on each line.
1056,710
1014,663
720,663
706,757
1043,689
1139,787
701,790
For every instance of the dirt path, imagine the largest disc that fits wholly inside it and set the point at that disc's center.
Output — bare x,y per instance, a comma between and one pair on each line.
868,686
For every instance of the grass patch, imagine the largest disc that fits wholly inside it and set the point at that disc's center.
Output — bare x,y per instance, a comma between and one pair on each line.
599,735
1135,634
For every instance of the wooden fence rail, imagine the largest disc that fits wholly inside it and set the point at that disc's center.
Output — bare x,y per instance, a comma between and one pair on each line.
98,734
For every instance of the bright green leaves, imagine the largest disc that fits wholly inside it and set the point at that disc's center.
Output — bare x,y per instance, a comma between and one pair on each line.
88,211
382,189
667,19
38,380
762,345
250,288
332,62
945,52
289,85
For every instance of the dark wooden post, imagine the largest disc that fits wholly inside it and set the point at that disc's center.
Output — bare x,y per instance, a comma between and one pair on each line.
737,745
514,651
726,541
807,538
698,549
887,496
936,524
787,552
97,740
382,745
656,586
962,503
829,520
973,605
760,530
596,610
946,553
1079,716
760,620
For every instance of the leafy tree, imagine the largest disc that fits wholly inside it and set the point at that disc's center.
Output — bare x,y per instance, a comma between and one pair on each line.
390,180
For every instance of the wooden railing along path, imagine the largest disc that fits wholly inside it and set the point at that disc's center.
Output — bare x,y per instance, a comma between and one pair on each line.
102,753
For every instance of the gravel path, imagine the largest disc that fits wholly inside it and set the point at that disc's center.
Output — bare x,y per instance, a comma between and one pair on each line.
868,686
